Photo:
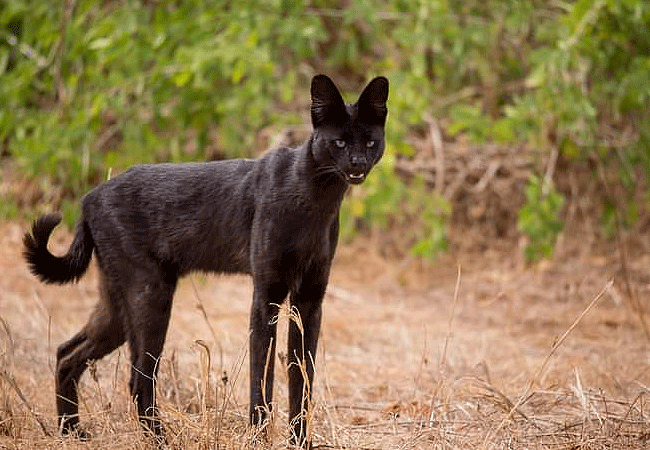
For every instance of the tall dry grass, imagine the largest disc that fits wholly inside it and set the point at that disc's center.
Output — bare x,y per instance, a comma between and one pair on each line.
497,357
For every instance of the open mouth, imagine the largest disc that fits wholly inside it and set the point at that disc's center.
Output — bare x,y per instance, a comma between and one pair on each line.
356,178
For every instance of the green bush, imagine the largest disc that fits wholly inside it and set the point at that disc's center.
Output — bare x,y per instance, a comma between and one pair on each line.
539,219
91,87
385,205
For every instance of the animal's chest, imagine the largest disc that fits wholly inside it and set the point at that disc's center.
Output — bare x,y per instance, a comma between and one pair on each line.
295,242
306,235
306,255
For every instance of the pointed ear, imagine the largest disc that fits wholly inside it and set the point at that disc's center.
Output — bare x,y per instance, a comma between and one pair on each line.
372,101
326,102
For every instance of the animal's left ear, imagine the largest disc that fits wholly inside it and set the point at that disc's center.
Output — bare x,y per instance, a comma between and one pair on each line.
326,102
372,101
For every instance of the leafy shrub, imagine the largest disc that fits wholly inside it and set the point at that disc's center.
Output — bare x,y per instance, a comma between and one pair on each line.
385,205
539,219
136,82
106,85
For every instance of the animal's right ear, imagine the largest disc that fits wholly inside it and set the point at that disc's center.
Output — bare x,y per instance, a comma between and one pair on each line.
326,102
372,101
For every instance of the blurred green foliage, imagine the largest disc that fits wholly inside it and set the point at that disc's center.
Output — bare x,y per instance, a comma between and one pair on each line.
421,218
539,219
87,87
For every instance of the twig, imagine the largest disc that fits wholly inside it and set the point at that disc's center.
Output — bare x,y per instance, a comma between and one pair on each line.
466,92
504,399
336,446
419,168
550,170
340,14
106,135
205,372
542,367
439,152
26,50
353,407
629,410
10,338
207,321
622,250
454,187
328,409
443,354
491,171
585,21
452,312
67,9
12,382
473,91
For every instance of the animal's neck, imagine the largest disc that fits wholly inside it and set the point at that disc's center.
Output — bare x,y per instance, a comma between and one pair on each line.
327,188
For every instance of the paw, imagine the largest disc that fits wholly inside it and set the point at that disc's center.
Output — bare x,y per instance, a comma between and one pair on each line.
71,428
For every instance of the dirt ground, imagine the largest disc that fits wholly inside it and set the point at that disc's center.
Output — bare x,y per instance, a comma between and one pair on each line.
468,351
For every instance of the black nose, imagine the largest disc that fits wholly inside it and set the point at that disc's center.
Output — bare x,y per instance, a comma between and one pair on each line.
358,161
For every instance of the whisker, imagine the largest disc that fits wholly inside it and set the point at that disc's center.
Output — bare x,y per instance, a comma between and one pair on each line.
324,169
327,170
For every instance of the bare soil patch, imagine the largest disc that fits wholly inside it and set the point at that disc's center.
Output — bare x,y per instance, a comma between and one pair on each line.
412,355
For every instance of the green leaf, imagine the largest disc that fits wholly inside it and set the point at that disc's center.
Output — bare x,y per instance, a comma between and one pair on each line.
100,43
238,71
537,76
180,79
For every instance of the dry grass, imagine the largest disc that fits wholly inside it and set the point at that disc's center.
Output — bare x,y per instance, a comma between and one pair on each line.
495,356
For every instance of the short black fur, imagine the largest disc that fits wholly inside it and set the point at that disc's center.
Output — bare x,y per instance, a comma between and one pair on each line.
275,218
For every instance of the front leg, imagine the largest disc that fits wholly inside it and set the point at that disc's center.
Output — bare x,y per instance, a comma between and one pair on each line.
262,349
304,329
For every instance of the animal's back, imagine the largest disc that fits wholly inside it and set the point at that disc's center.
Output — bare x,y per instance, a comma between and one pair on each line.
193,216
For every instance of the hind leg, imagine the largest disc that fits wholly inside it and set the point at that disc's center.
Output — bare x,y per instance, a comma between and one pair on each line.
102,334
151,303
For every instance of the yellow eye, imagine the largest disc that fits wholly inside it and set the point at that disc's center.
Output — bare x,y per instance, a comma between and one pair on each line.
370,144
339,143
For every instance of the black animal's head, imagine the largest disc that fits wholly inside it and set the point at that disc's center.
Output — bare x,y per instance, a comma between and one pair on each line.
348,139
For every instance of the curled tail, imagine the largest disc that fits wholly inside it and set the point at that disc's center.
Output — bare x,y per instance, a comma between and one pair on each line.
57,269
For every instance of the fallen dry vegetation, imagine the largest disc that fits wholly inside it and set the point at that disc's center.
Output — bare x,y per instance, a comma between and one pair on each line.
473,351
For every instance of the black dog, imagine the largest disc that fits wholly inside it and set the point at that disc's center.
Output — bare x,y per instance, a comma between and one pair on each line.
275,218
